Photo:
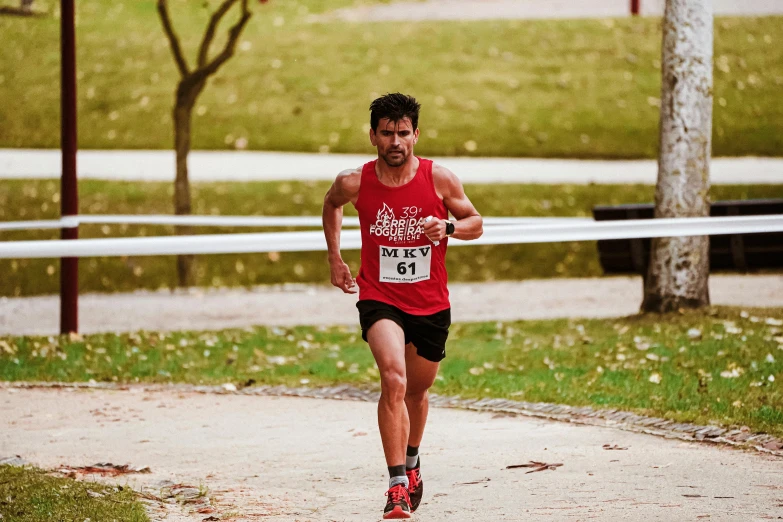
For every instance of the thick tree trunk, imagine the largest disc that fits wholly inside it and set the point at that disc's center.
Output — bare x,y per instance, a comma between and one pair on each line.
183,111
679,267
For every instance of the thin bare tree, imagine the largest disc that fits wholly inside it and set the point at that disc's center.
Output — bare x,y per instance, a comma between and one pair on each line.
192,82
679,267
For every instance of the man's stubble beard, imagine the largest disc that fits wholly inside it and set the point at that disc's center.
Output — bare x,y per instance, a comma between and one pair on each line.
391,163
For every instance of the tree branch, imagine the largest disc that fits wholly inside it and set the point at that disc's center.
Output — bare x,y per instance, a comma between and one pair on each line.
210,33
173,41
228,50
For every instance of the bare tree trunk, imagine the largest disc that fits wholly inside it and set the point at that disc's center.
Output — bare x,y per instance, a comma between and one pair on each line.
182,119
679,267
191,83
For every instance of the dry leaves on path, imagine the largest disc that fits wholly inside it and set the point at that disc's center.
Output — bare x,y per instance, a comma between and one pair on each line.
538,466
613,447
482,481
106,469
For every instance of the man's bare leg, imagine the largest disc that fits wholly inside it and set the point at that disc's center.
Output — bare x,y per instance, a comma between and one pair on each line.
387,343
421,375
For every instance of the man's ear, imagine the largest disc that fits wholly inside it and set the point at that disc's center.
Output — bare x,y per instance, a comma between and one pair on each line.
372,137
416,136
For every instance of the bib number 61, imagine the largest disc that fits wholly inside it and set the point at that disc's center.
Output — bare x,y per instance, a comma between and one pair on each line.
402,268
405,264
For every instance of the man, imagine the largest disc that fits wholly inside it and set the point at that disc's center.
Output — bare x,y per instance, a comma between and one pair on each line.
403,203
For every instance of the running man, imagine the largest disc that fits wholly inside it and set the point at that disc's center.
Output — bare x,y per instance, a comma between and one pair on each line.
403,203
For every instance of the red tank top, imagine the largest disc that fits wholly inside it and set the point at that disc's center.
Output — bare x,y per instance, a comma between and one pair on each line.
400,265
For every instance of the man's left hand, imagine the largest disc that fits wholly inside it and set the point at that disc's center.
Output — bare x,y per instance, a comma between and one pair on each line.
435,229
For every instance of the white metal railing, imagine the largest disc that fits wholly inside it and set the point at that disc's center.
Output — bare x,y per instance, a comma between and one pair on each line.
231,221
549,231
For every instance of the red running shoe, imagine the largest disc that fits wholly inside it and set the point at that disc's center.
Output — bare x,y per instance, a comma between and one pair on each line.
398,504
415,486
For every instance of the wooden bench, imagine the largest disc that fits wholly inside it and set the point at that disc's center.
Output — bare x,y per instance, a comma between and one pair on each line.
737,252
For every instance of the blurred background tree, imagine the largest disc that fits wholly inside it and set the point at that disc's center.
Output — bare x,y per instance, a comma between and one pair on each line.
189,87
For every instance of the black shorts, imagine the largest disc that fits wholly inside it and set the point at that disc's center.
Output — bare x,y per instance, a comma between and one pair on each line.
428,333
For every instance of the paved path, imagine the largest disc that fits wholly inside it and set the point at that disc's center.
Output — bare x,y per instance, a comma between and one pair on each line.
304,460
264,166
210,309
527,9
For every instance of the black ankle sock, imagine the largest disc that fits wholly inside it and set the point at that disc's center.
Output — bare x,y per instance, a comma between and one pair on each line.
397,471
412,458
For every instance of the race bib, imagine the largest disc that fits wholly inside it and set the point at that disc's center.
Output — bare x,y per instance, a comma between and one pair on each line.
405,265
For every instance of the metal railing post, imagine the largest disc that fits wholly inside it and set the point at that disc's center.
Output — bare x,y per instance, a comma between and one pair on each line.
69,201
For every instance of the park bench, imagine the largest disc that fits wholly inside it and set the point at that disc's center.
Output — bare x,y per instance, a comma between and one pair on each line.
737,252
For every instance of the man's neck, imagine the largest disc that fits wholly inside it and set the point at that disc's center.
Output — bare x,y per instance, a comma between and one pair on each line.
395,176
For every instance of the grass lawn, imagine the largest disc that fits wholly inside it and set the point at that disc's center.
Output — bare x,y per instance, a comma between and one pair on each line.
30,495
24,200
722,366
565,88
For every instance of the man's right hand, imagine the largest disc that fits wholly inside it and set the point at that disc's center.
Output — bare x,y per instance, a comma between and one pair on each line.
341,277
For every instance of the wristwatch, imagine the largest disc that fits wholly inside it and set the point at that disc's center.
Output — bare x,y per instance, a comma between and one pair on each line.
449,228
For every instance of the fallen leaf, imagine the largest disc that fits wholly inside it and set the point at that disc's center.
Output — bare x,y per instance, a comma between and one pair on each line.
105,469
539,466
475,482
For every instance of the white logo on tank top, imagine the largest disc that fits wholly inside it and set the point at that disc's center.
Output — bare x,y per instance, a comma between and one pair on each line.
407,227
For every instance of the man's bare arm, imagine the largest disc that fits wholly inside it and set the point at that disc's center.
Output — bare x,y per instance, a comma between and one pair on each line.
345,189
469,223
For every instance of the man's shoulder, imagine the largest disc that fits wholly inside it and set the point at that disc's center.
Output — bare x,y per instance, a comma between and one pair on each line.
441,174
349,175
349,180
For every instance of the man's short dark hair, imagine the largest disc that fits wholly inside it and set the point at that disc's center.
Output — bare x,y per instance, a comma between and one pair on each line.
395,107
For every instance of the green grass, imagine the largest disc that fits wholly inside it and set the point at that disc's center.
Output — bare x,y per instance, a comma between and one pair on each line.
23,200
565,88
30,495
604,363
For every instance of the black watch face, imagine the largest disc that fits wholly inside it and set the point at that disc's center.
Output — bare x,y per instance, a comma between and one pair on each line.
449,228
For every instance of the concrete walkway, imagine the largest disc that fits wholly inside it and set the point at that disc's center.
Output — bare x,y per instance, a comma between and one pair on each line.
530,9
303,460
158,165
211,309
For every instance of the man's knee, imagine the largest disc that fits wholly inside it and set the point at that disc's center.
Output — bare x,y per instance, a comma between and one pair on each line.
393,385
416,395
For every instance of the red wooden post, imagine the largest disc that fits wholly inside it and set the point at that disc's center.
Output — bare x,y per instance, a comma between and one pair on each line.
635,7
69,202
